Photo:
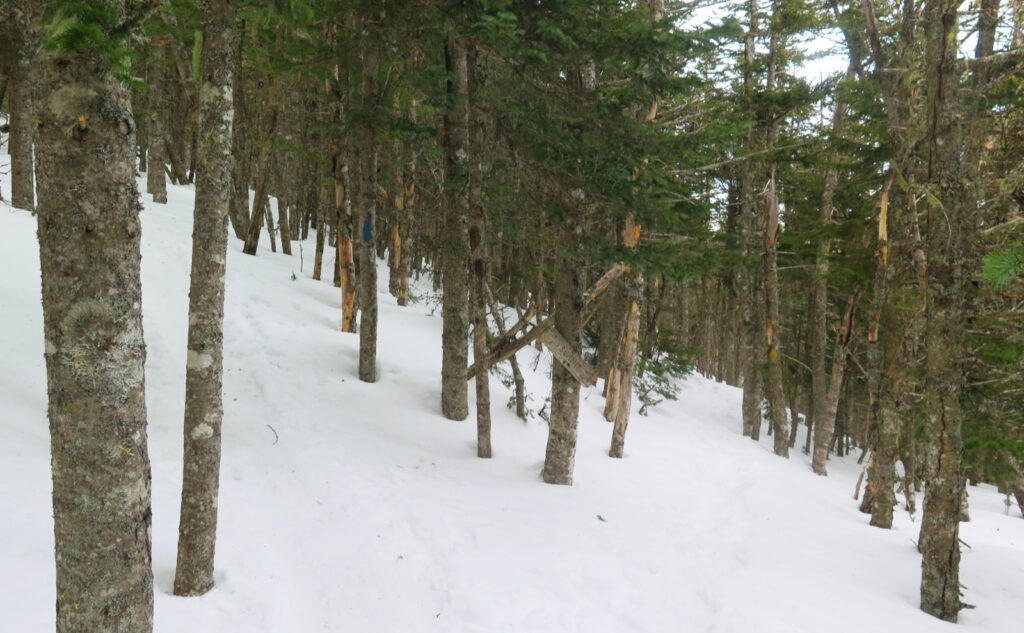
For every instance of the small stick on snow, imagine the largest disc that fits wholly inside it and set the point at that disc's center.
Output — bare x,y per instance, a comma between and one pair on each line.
275,434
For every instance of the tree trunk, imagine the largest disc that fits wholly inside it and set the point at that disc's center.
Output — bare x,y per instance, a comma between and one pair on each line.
346,257
455,277
824,428
255,224
624,363
517,374
821,388
92,321
560,455
156,160
773,386
284,225
271,229
751,354
321,233
238,206
367,277
478,267
204,408
951,233
20,100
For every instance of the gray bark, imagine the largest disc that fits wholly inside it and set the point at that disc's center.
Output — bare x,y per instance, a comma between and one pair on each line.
238,204
89,249
367,215
560,455
156,130
478,269
204,409
259,202
454,268
751,351
22,89
569,300
950,239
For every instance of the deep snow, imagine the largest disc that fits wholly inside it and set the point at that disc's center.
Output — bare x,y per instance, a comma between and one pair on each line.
353,507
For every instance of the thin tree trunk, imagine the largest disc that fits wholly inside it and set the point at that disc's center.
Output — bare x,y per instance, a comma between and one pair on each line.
820,386
751,354
624,366
239,202
825,426
284,225
517,374
478,267
156,178
346,260
89,251
367,277
455,277
22,89
255,227
773,391
321,233
271,229
204,408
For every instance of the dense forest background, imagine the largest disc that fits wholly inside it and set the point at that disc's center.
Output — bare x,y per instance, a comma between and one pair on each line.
643,188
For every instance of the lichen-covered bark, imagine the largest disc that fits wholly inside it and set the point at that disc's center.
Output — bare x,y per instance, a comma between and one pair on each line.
204,409
951,231
560,455
89,236
455,240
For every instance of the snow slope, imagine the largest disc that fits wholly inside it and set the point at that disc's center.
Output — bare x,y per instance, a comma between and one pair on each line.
354,507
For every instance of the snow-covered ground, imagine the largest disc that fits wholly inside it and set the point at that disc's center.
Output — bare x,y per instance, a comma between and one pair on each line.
354,507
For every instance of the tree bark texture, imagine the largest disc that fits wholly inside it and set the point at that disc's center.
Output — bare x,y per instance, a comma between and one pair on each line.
156,159
820,385
751,356
455,241
23,86
560,455
204,407
256,217
826,423
773,385
623,367
478,267
89,247
367,214
238,205
346,256
950,242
